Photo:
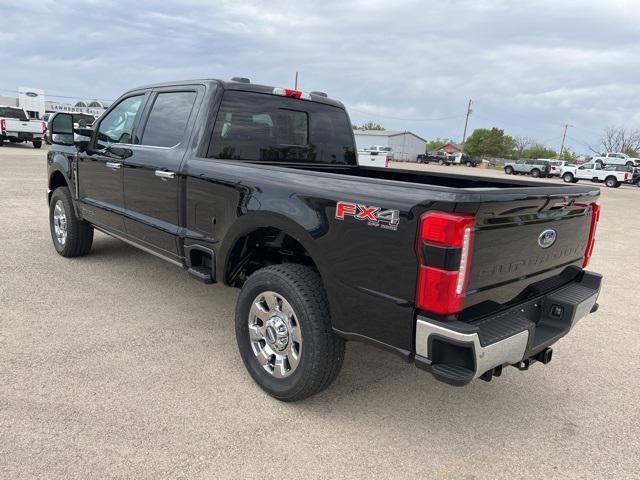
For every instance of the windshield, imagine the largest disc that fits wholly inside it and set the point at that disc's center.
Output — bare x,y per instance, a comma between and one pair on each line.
10,112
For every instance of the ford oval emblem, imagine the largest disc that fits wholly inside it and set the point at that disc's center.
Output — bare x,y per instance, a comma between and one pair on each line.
547,238
31,94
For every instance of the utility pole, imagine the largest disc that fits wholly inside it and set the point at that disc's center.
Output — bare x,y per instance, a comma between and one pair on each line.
466,122
296,87
564,136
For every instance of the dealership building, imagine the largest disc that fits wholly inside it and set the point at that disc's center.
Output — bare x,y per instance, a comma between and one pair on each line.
34,101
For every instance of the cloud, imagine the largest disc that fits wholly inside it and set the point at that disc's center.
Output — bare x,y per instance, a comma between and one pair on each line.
407,64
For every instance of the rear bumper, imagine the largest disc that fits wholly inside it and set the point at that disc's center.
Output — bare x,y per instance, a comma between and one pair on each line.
25,136
457,352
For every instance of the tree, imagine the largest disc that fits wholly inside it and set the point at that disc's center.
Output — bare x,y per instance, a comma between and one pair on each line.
491,143
537,150
523,143
437,143
368,126
569,156
619,139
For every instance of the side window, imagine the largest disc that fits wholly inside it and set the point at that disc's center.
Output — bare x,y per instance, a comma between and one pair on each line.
117,125
168,119
588,166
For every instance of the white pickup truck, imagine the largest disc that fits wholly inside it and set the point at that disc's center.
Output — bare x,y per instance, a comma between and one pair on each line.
369,158
611,175
615,158
16,127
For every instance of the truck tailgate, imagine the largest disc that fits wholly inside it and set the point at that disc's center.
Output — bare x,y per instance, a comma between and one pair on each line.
14,125
520,243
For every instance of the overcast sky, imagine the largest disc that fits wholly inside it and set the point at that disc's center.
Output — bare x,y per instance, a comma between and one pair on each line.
529,66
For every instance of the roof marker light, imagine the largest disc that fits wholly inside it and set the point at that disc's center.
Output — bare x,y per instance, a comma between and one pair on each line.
287,92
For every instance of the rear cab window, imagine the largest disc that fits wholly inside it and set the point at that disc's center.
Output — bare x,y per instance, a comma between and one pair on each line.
267,128
16,113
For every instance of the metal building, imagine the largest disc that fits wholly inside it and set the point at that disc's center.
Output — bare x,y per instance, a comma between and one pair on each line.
406,145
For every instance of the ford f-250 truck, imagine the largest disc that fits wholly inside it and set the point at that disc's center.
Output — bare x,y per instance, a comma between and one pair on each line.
16,127
259,188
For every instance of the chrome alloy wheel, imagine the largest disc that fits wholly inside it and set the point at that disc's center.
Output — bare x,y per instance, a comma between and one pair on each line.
60,223
275,334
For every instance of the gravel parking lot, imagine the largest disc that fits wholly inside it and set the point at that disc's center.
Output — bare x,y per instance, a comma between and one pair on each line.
118,365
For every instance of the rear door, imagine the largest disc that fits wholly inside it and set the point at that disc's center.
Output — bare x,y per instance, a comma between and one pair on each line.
151,173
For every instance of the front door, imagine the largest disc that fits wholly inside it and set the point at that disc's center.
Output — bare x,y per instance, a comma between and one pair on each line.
100,172
151,173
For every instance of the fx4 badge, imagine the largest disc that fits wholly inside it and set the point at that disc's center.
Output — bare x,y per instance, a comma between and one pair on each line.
374,216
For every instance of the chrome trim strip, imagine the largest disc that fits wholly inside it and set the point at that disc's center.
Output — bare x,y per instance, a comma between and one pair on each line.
510,350
137,245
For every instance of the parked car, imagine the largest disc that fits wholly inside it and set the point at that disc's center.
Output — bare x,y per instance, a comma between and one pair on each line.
16,127
258,188
525,166
440,157
374,159
611,175
556,167
615,158
464,159
379,149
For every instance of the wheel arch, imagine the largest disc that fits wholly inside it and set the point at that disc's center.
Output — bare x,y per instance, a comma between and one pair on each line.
260,239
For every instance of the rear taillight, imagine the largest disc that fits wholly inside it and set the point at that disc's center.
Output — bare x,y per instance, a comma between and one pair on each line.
595,216
286,92
3,124
386,162
444,247
44,127
626,176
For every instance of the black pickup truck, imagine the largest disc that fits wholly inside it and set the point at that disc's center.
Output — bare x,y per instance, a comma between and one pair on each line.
258,188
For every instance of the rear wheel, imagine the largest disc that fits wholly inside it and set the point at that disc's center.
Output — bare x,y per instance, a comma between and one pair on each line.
284,332
629,164
71,237
535,173
568,178
440,162
611,182
37,143
468,164
508,170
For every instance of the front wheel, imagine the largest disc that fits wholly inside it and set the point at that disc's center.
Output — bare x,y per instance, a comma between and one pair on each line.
440,162
508,170
71,237
284,333
535,173
568,178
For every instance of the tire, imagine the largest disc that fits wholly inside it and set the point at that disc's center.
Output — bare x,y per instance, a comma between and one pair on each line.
508,170
568,177
535,173
1,142
611,182
298,290
440,162
71,237
468,164
630,164
37,143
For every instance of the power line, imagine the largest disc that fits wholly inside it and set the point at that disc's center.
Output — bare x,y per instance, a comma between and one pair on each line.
375,115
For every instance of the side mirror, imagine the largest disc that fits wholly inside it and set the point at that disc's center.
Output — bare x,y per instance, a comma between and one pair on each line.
62,129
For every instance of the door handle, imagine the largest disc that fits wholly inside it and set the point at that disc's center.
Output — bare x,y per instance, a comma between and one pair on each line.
165,175
114,165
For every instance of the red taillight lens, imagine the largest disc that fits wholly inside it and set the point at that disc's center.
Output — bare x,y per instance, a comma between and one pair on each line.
445,246
44,127
626,176
595,216
386,162
3,124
